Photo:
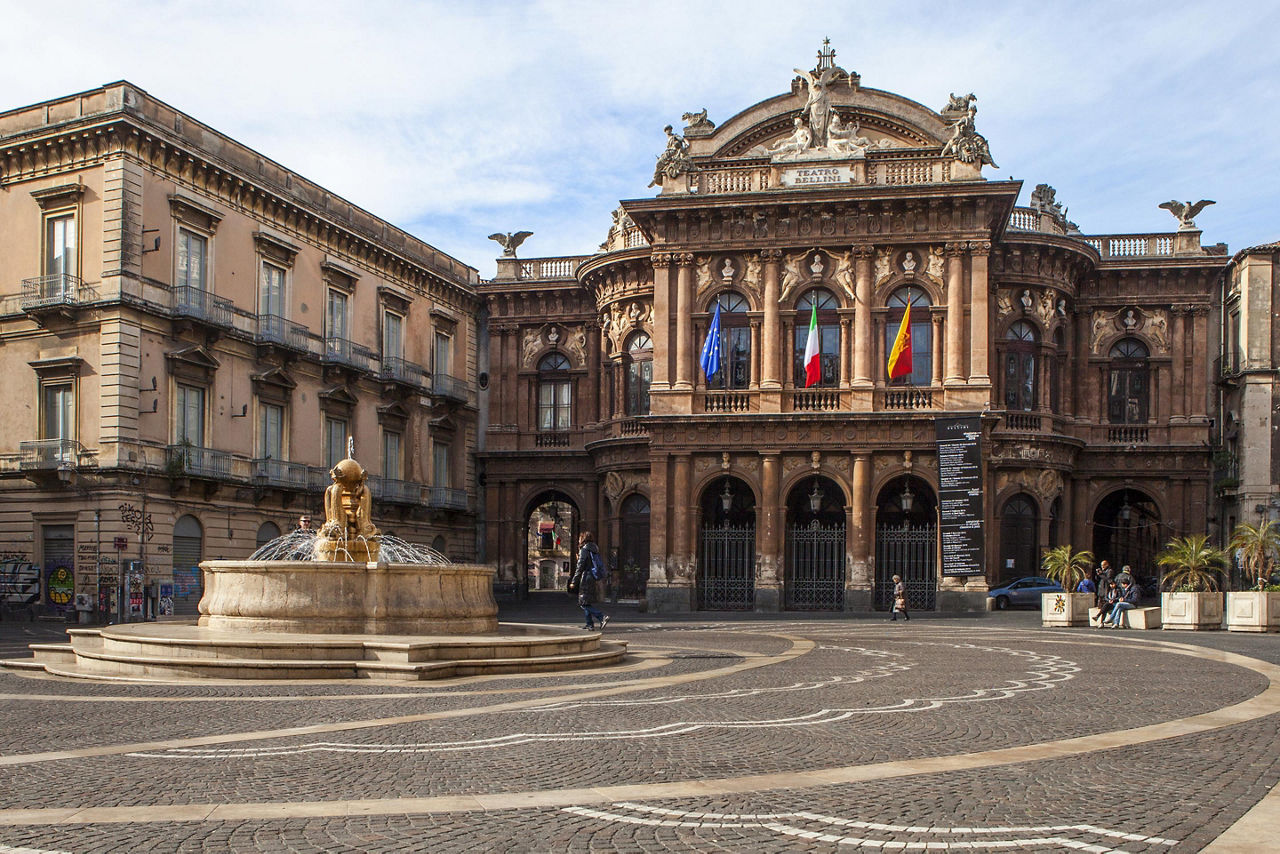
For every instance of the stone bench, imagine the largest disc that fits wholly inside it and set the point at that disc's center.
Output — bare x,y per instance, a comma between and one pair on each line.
1134,618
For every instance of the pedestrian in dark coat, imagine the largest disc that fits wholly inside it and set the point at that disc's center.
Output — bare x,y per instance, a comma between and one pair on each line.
585,582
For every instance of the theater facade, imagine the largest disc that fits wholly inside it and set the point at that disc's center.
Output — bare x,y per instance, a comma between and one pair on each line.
655,391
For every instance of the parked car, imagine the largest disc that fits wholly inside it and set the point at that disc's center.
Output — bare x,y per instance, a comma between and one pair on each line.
1023,591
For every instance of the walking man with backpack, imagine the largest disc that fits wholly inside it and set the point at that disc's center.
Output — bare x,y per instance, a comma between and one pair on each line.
588,579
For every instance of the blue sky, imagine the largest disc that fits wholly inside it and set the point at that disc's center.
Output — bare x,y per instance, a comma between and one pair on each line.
456,120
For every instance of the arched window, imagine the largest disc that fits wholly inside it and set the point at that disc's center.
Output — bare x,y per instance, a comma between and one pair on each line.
554,393
735,342
1129,384
921,334
1020,367
828,335
267,532
639,361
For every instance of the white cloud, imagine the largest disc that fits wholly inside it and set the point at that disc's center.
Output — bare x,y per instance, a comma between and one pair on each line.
456,120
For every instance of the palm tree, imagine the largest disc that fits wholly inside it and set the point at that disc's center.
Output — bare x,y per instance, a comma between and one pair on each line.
1192,564
1066,567
1258,545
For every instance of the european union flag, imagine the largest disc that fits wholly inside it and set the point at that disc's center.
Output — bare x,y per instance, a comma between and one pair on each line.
710,358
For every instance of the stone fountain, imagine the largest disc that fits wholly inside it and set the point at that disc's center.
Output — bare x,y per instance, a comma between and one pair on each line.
331,605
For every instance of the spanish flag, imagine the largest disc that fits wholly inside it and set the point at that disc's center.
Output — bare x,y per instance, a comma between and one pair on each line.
900,355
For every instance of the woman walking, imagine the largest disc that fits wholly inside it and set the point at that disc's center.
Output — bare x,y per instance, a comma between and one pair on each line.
585,581
899,600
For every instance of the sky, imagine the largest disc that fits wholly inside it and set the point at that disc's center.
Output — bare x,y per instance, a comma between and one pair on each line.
454,120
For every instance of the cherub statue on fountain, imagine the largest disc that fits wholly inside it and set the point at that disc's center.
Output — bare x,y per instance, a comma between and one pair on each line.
348,533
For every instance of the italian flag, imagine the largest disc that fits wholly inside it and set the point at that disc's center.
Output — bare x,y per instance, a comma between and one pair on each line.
900,355
812,357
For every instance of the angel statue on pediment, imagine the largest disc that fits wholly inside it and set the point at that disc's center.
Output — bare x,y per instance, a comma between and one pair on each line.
818,105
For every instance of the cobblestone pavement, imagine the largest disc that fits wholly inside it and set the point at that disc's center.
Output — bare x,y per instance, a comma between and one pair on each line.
721,733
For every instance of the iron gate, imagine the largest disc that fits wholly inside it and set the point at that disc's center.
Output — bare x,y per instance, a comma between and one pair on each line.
727,568
815,568
910,551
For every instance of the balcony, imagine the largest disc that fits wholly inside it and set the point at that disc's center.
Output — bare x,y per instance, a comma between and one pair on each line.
58,291
274,329
395,491
900,399
318,479
1127,435
49,454
726,401
552,439
445,498
815,400
201,305
450,388
403,371
191,461
1024,422
343,351
280,474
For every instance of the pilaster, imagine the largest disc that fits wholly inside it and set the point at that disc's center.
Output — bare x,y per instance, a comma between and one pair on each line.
955,314
980,314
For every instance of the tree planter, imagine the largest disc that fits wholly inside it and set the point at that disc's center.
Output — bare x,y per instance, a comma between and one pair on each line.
1065,609
1191,611
1253,611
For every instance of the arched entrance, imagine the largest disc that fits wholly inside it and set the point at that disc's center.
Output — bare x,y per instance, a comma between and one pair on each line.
1126,531
907,543
633,547
551,531
188,547
727,546
1019,539
815,554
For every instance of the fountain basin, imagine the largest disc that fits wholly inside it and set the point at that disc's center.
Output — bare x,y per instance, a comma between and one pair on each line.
330,597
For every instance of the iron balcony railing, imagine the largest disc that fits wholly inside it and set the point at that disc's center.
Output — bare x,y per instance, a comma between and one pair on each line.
193,461
403,371
274,329
43,454
56,289
395,491
279,473
189,301
443,385
445,498
343,351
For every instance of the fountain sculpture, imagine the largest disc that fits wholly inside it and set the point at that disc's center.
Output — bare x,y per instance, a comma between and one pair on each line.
345,602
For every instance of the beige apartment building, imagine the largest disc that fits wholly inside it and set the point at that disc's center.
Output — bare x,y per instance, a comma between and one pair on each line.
189,333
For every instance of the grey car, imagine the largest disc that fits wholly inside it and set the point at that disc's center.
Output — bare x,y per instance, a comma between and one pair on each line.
1024,591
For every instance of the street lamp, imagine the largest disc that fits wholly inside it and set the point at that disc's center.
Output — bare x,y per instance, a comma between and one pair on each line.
815,498
726,497
1125,509
907,499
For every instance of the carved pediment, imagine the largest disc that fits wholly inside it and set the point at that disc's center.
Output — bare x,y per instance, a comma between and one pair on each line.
194,363
338,398
273,385
393,414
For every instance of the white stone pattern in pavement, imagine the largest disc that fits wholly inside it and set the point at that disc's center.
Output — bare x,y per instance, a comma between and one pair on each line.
1047,673
817,827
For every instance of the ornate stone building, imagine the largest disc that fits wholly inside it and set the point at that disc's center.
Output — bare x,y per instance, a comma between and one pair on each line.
1083,358
189,332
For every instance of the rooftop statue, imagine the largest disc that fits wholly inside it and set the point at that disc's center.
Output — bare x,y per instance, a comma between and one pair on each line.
801,138
818,105
348,533
842,140
673,161
698,122
1186,212
966,144
510,241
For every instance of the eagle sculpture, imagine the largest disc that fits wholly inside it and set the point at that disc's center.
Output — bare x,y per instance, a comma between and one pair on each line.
510,241
1186,212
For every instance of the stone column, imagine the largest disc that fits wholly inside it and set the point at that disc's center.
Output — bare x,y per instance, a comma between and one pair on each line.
768,559
936,350
863,343
679,500
756,362
769,378
846,347
1080,361
593,371
955,314
857,594
684,320
980,296
1198,334
662,348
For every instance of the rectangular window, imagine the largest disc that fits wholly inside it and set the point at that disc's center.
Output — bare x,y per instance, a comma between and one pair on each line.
443,354
392,335
335,441
57,411
391,456
60,246
271,431
336,315
271,291
553,404
189,422
193,252
440,465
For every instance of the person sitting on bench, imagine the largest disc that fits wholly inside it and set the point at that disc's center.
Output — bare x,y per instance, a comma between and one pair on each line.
1129,596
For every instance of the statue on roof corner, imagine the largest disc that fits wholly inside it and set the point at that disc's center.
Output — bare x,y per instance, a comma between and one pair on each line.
966,144
698,122
674,161
1186,212
510,241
